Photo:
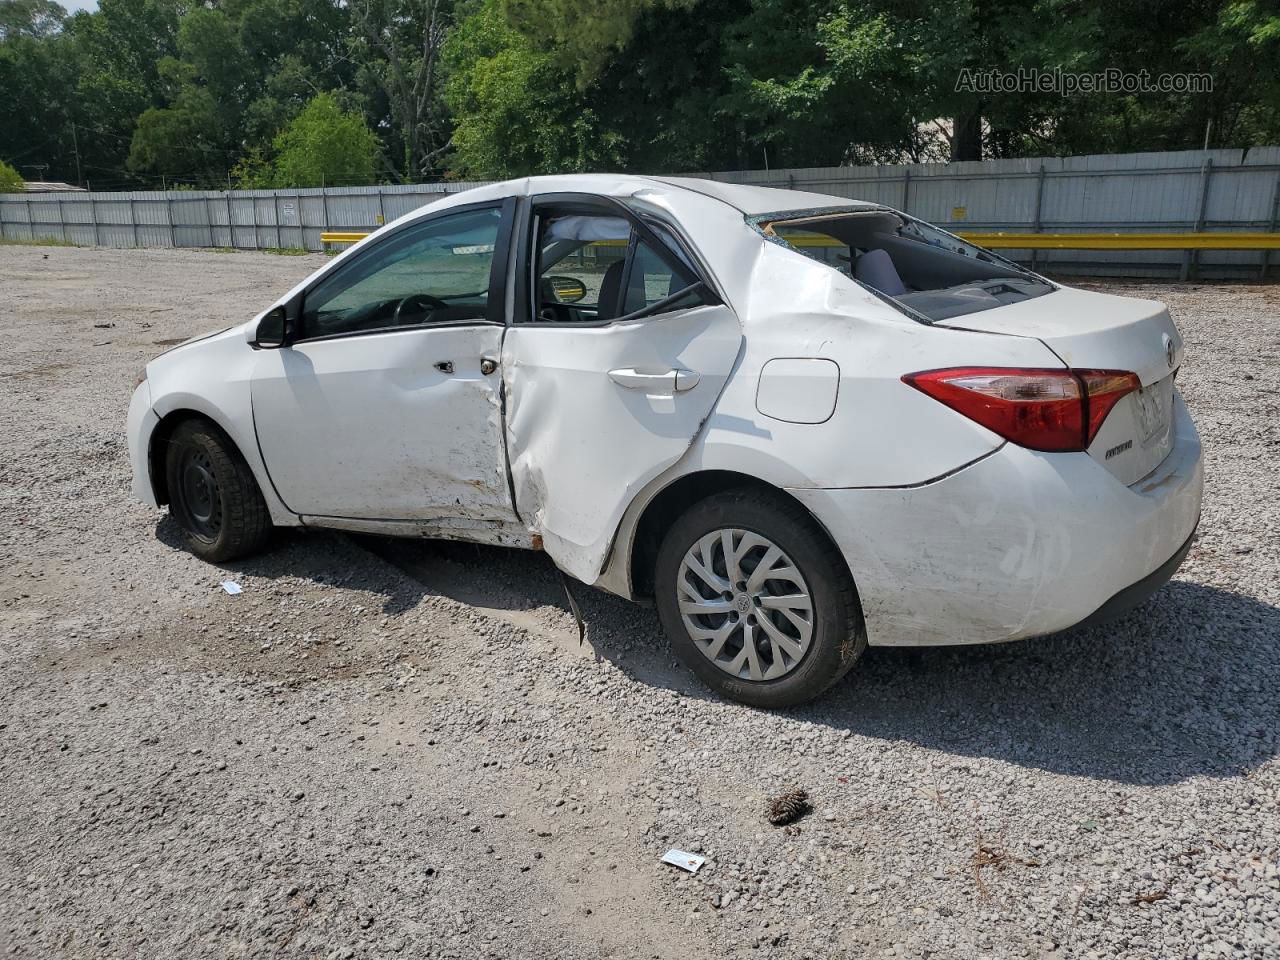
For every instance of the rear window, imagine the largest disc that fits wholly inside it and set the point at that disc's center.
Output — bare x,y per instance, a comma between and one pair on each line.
926,272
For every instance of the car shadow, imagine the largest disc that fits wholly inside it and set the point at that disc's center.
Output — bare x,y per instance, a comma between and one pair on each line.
316,555
1182,687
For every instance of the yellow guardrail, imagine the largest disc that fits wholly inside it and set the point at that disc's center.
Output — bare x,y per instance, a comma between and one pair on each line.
328,237
1125,241
1036,241
1088,241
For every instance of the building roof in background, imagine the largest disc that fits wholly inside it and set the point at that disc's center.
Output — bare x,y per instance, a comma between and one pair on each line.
51,186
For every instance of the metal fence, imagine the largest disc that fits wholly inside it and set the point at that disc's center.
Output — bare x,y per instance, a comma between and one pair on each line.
1216,190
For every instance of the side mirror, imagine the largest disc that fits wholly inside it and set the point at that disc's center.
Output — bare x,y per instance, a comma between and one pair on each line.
567,289
272,332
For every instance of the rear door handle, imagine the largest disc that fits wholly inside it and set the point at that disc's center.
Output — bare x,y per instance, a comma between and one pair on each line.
673,380
445,366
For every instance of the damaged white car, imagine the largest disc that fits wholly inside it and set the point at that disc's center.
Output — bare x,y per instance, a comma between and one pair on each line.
798,423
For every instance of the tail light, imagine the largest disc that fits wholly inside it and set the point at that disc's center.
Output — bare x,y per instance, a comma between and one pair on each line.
1051,410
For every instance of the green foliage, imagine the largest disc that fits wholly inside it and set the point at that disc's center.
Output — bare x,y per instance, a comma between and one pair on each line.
188,136
37,241
585,35
37,19
10,180
200,92
324,145
517,112
254,171
398,44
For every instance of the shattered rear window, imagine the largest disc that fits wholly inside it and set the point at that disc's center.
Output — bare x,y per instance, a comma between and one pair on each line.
925,272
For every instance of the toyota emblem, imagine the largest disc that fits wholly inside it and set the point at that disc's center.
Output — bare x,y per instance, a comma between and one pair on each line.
1169,350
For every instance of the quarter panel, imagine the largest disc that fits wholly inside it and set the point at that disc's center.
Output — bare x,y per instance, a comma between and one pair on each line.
882,432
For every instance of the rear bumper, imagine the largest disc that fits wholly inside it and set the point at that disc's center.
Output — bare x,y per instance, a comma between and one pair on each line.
1135,595
1019,544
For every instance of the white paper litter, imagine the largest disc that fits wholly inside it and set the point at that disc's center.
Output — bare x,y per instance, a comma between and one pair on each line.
683,860
231,587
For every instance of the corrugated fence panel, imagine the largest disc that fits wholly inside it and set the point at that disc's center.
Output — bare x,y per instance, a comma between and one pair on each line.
1176,190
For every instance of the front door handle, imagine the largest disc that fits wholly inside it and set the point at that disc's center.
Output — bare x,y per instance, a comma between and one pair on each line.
445,366
672,380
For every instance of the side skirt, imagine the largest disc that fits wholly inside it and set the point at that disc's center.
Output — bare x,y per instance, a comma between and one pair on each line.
493,533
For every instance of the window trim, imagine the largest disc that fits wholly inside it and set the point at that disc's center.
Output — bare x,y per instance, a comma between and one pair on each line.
592,204
495,298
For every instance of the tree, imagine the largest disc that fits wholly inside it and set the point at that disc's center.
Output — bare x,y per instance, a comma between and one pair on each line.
399,43
324,145
189,90
184,141
584,34
37,82
37,19
241,72
117,56
10,181
1241,49
516,112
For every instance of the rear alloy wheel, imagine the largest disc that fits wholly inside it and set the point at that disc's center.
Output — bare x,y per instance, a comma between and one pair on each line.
745,605
213,495
756,601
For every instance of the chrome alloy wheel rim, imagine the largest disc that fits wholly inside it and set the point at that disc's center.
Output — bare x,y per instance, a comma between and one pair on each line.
746,606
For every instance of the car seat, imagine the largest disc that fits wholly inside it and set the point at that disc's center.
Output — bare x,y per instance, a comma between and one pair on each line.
875,268
610,288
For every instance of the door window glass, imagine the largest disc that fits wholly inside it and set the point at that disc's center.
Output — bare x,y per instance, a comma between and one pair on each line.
430,273
585,261
651,279
581,259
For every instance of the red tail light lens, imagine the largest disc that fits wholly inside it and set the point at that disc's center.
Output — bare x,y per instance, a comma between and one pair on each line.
1104,389
1051,410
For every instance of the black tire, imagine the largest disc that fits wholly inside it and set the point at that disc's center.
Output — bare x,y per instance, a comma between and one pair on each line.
838,637
213,495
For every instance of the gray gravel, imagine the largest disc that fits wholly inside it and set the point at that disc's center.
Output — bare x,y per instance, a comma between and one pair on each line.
390,748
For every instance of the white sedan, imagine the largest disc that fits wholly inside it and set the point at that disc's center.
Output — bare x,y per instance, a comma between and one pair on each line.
797,423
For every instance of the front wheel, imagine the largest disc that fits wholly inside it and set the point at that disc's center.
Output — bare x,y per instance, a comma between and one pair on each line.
213,495
756,600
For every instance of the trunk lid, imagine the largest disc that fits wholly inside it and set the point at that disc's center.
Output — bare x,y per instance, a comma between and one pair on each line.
1098,331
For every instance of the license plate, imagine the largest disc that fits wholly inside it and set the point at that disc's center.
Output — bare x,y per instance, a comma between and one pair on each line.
1154,405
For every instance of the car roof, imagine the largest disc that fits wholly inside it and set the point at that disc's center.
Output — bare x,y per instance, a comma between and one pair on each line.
753,200
747,199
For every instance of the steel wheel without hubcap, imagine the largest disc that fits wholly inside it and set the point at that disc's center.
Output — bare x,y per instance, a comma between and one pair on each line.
199,492
745,605
212,493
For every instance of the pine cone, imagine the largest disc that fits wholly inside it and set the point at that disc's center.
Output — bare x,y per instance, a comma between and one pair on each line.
788,807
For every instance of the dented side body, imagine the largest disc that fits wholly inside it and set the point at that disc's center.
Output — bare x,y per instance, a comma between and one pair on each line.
951,534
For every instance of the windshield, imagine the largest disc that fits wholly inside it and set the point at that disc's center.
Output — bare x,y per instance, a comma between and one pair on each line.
928,273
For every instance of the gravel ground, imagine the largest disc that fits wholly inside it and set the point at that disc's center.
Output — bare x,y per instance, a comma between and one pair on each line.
390,748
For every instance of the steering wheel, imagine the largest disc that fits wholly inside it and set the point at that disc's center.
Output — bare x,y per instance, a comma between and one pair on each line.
428,303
